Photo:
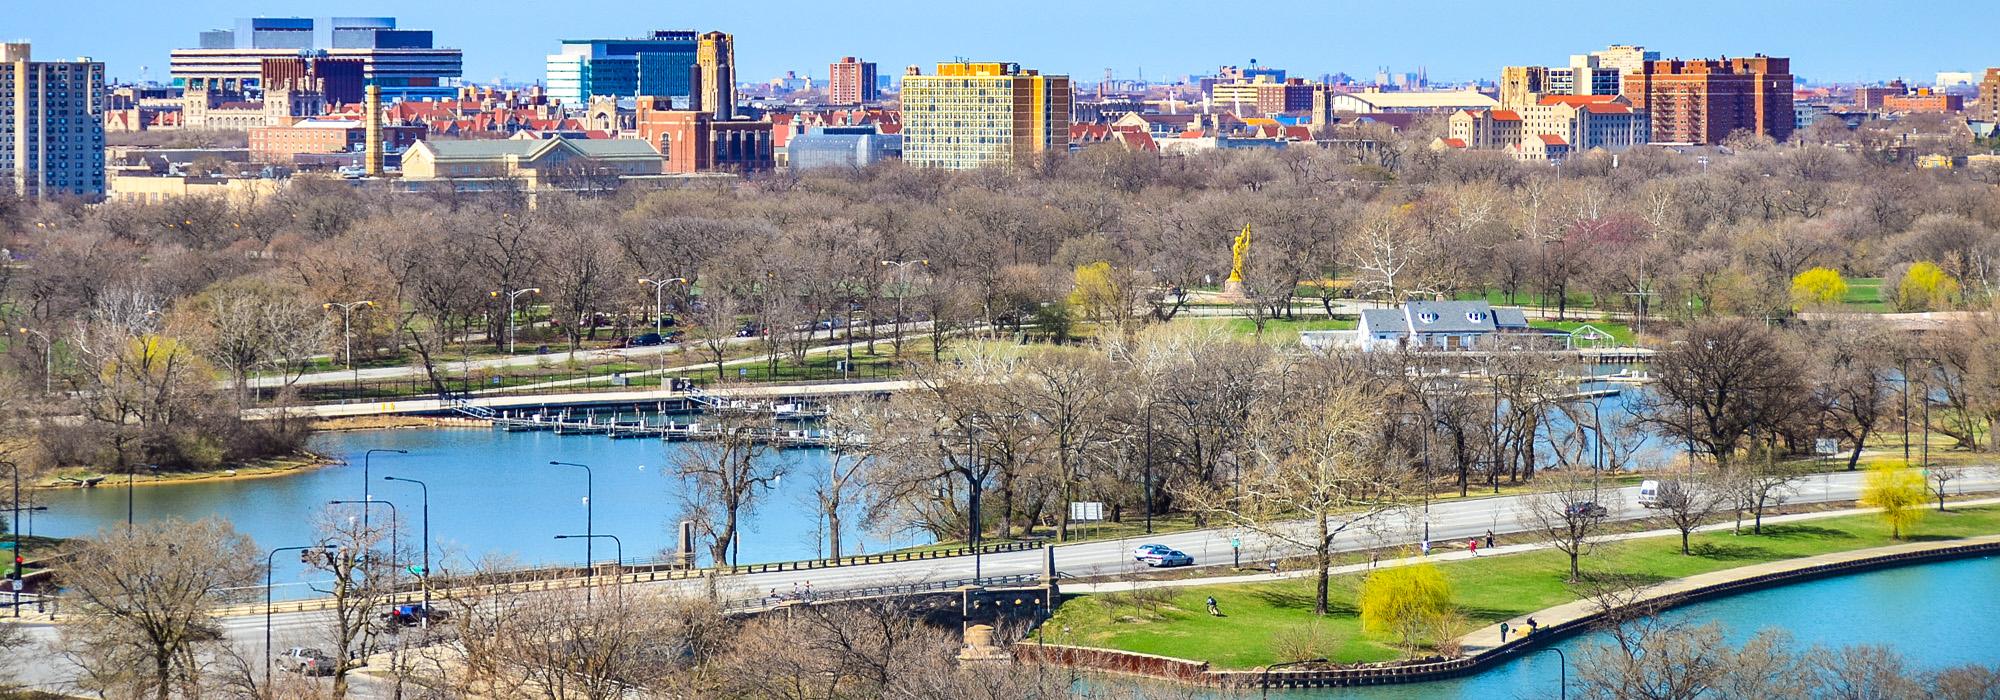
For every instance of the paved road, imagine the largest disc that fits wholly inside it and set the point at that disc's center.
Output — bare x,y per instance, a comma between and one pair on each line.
1450,522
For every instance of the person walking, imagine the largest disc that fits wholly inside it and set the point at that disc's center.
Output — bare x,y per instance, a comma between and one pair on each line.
1489,539
1472,545
1214,609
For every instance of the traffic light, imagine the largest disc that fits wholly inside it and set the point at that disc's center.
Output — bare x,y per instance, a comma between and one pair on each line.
19,563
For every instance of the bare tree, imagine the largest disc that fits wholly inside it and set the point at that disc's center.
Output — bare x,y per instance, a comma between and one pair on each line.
1687,502
142,599
725,472
1722,382
1568,507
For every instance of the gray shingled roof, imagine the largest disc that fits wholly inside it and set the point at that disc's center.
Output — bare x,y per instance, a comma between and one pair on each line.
1382,320
1510,318
524,148
1450,316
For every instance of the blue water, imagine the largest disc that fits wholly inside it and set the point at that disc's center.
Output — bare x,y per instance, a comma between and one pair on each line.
1935,615
492,493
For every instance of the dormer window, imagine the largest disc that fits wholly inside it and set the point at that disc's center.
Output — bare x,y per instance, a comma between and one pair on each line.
1475,316
1427,316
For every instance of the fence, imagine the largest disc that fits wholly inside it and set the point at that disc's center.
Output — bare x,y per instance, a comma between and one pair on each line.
532,381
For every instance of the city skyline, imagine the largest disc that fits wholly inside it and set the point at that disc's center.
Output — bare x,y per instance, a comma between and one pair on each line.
1854,44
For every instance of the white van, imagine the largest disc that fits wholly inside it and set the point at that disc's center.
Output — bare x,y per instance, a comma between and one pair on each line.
1653,491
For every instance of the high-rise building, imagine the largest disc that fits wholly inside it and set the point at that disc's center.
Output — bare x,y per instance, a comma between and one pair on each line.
1625,59
51,125
1989,96
971,115
851,82
1585,75
1703,101
657,65
341,78
715,75
402,61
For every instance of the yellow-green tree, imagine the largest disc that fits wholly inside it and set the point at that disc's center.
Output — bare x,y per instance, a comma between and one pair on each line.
1817,288
1925,287
1900,492
1404,600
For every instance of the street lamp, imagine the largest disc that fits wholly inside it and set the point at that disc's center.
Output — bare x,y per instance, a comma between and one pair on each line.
129,474
589,526
618,574
366,493
659,300
427,544
48,359
1562,667
510,310
19,573
1425,435
270,561
1266,680
394,538
347,330
902,291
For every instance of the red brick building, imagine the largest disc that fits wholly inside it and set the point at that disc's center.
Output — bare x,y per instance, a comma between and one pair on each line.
1923,100
850,82
1703,101
280,144
695,142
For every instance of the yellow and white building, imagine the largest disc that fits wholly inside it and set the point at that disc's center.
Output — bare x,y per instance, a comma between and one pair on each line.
972,115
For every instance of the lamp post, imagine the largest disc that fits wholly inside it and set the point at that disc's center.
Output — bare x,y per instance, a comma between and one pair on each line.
902,291
347,331
129,475
426,583
19,573
510,310
1425,435
589,526
394,538
659,298
1266,679
618,574
48,359
270,560
366,484
1562,667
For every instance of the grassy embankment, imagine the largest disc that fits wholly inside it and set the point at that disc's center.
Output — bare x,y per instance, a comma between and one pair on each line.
1485,590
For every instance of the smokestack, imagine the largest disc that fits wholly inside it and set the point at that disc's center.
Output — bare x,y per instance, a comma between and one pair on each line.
372,164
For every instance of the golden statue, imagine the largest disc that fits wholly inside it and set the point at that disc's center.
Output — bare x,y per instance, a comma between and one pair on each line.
1239,250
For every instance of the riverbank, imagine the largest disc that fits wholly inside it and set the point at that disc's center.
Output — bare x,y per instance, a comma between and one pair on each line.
1168,618
259,469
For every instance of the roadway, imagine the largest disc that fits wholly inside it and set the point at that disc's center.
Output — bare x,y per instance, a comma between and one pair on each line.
1451,522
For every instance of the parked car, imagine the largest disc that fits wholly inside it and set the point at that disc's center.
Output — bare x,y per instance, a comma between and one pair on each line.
647,340
1585,509
1161,555
413,614
306,661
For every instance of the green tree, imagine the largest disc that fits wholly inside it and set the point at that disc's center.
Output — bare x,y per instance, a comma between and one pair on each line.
1817,288
1925,287
1900,492
1404,600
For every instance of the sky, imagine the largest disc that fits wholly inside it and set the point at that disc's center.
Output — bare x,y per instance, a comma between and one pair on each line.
1827,40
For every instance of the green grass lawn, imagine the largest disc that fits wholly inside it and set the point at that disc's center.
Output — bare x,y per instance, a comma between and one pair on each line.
1865,294
1619,332
1486,590
1280,328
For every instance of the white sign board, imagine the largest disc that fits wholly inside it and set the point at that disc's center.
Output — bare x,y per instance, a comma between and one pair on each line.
1826,446
1086,511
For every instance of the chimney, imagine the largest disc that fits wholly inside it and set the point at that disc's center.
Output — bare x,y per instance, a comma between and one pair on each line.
372,160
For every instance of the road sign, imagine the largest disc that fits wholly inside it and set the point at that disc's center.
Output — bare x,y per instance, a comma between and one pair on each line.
1826,446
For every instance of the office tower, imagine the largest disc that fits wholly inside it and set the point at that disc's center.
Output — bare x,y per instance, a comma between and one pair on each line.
851,82
657,65
51,125
402,61
715,73
1703,101
971,115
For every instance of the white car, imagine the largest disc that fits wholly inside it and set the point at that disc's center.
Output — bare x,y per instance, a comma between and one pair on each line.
1161,555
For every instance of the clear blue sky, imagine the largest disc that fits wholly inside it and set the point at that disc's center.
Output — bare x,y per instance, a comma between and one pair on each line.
1828,40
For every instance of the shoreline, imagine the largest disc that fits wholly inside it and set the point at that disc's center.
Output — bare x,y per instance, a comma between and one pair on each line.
303,461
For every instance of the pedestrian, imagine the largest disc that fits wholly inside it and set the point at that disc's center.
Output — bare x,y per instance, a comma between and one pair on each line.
809,590
1427,548
1472,545
1374,557
1533,626
1489,539
795,590
1274,566
1213,609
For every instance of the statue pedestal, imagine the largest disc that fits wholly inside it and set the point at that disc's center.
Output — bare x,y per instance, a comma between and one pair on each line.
1232,290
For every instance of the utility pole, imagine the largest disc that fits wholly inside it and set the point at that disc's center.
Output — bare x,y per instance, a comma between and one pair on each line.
347,331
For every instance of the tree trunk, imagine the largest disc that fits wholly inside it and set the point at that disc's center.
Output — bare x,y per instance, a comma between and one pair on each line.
833,533
162,673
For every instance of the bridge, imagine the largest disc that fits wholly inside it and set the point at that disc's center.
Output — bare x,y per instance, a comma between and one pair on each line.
789,393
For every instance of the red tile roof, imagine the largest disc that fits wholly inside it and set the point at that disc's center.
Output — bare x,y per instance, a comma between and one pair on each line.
1607,109
1454,143
1505,115
1552,140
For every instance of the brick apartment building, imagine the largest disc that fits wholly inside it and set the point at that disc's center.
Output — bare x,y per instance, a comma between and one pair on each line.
851,82
1923,100
1989,96
1703,101
1267,96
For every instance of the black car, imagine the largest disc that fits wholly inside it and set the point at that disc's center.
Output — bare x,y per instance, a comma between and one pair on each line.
1586,509
648,340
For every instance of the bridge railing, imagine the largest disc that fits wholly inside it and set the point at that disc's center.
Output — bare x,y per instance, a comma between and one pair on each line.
883,591
670,563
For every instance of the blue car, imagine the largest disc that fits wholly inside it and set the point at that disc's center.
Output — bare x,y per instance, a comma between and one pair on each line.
1161,555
